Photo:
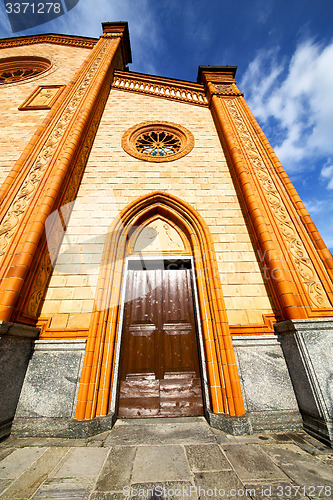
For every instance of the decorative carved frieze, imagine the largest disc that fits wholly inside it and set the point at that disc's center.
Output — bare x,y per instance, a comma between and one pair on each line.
295,246
225,90
56,39
158,87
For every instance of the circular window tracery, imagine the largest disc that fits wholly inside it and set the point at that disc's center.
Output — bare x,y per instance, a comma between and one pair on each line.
16,69
158,141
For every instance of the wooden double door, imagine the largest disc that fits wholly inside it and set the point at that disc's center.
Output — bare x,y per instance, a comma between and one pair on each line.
159,370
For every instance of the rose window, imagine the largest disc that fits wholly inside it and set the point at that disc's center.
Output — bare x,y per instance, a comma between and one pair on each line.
157,141
16,69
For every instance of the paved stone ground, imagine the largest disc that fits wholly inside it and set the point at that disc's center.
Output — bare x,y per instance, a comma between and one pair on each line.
166,459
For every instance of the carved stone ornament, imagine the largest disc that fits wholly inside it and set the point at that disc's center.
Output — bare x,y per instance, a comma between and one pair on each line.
295,246
157,141
225,89
43,97
16,69
72,41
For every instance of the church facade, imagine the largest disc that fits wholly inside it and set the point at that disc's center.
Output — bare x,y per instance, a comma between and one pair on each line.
156,259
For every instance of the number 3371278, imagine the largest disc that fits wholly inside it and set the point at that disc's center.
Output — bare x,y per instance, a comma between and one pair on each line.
32,8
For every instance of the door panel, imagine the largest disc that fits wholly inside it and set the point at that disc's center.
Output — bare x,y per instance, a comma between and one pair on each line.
160,373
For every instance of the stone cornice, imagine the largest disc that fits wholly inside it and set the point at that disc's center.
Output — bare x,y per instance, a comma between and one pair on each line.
74,41
177,90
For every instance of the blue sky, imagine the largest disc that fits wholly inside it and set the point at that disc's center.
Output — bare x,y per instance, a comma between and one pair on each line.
284,53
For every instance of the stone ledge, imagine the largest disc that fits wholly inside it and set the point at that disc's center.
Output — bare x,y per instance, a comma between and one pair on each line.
293,325
319,428
254,422
61,427
18,330
255,340
58,345
230,425
275,421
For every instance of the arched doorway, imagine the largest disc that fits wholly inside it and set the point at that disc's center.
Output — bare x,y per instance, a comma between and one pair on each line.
97,393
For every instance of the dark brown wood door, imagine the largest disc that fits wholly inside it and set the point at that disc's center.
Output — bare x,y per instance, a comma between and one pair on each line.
159,373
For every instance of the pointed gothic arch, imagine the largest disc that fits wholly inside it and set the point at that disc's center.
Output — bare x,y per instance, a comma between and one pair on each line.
99,364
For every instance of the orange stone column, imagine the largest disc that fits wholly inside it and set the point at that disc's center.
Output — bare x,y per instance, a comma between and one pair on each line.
288,302
47,161
309,225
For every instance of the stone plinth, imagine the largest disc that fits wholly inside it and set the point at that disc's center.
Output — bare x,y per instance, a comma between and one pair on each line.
308,349
268,393
16,342
48,398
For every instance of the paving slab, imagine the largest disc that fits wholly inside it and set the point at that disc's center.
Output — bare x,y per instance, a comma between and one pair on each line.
4,483
117,470
4,452
169,433
250,462
28,482
282,438
18,461
111,495
166,453
309,444
160,463
205,457
162,420
65,489
218,484
310,475
81,462
288,454
70,443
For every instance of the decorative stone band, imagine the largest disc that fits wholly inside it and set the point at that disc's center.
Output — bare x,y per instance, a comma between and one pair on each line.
295,246
255,340
309,225
158,87
85,43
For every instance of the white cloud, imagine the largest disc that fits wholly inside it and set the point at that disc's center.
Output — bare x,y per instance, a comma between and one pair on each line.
327,174
315,206
294,99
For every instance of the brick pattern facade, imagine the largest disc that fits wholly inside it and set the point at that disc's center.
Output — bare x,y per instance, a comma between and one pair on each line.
113,179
